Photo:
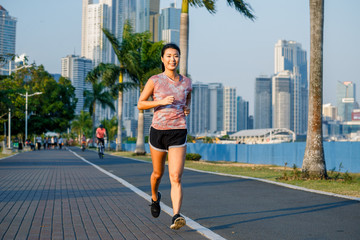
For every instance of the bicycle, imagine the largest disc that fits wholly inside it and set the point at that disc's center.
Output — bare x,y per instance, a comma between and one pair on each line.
83,146
101,150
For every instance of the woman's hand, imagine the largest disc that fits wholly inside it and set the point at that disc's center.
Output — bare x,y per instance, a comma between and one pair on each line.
186,110
168,100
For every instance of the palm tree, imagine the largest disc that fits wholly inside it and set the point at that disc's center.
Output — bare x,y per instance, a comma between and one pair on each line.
81,124
144,61
100,95
314,162
121,50
110,73
240,5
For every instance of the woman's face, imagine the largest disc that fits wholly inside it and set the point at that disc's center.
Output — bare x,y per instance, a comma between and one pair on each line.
171,59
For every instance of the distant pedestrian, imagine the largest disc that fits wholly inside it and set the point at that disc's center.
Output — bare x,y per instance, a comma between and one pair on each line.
46,143
52,142
171,95
61,141
38,142
55,142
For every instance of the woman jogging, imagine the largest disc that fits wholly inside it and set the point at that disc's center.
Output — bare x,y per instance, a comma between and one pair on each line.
171,95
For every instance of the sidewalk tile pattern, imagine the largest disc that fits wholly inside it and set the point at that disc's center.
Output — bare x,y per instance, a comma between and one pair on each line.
54,195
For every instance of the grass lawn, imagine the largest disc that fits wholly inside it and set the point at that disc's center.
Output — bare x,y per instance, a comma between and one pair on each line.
339,183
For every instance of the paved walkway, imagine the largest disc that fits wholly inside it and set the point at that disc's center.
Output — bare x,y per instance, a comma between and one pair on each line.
55,195
60,195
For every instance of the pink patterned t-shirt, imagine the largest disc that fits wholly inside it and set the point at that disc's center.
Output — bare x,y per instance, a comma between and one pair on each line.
170,116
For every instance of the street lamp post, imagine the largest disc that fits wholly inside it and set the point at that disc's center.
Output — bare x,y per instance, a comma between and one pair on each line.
26,109
9,139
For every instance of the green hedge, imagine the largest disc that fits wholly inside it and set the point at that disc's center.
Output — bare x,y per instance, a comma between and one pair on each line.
193,156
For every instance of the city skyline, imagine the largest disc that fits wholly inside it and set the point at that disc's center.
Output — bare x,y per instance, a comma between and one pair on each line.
46,33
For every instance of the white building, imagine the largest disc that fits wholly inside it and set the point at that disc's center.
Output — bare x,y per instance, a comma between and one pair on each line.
95,46
289,56
329,112
230,111
7,40
282,100
76,68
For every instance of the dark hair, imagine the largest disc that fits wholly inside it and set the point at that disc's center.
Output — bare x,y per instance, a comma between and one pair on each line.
166,46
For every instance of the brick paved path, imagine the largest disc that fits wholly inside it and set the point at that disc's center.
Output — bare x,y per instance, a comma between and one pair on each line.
54,195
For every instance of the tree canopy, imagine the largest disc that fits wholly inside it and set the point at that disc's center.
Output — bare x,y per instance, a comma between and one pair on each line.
50,111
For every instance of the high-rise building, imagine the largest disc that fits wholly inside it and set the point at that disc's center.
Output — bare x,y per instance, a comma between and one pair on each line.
230,111
76,68
96,46
199,114
282,101
263,98
289,56
7,40
346,100
154,20
169,29
242,114
216,106
329,112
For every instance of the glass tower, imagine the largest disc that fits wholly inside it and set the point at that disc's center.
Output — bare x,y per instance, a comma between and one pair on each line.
7,40
263,96
346,99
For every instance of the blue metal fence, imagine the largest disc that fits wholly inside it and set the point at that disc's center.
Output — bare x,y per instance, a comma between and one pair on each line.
346,154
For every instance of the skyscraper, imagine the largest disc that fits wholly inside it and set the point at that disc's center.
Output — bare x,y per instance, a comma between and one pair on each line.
329,112
95,46
230,111
199,114
76,68
346,99
263,98
154,20
7,39
169,29
242,114
216,107
282,100
289,56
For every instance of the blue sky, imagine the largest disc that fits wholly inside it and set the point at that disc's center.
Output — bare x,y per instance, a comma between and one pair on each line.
224,47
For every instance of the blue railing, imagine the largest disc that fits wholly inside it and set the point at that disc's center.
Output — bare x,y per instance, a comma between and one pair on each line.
344,154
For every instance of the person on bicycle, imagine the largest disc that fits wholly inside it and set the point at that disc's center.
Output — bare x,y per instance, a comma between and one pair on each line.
83,140
100,134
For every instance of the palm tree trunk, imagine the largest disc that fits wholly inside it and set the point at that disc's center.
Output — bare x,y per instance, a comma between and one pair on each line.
119,129
93,122
140,145
184,37
314,161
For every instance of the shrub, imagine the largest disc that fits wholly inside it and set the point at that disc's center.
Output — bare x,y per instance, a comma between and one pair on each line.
193,156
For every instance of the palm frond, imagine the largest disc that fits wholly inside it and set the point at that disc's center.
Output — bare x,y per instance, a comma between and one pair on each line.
243,8
208,4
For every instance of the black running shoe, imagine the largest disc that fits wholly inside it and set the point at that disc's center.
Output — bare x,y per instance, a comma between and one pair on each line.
155,206
177,222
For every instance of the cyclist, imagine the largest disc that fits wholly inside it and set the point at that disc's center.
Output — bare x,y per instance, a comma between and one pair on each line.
100,134
83,142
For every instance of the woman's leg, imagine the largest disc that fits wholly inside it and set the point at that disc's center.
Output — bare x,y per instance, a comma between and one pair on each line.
158,162
176,168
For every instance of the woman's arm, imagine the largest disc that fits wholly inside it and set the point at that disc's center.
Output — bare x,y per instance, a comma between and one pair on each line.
187,104
144,104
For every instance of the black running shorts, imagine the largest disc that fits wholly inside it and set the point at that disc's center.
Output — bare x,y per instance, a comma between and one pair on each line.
162,140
